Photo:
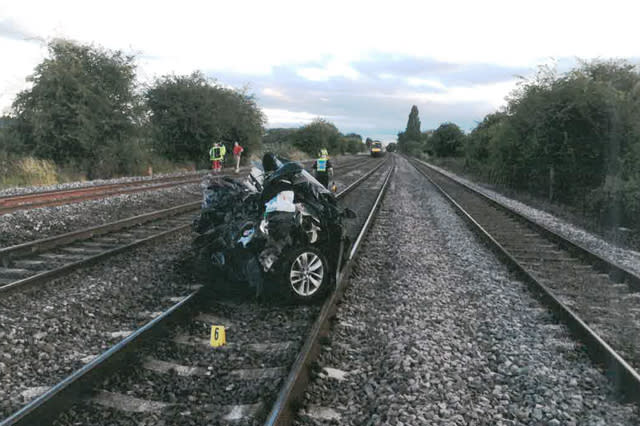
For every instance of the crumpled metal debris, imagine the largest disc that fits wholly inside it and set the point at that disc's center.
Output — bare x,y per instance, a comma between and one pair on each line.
247,227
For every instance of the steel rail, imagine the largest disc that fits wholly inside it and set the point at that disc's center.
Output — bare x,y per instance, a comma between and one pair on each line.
10,199
37,246
72,198
34,247
52,198
46,276
624,378
615,270
283,410
361,179
6,199
45,408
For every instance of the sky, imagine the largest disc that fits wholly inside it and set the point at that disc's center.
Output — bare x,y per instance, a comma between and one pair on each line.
359,64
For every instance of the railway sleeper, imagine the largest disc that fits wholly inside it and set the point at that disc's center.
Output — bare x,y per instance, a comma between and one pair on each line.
81,250
106,240
97,245
263,347
31,264
15,273
62,257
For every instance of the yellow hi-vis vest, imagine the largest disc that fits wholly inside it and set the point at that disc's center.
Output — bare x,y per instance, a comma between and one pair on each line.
217,153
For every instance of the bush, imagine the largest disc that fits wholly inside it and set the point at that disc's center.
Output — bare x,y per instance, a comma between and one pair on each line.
189,113
26,171
616,203
81,103
574,138
446,141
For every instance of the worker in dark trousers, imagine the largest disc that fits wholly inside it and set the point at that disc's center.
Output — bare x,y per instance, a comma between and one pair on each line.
323,168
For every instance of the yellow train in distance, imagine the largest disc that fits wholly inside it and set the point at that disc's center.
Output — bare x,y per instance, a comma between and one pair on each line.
376,150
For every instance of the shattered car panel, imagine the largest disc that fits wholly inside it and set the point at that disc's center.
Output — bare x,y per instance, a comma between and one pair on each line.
266,227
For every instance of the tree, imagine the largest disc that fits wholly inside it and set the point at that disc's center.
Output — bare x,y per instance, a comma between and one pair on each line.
352,143
391,147
571,137
278,135
81,110
6,139
413,125
189,113
317,135
409,141
368,143
447,140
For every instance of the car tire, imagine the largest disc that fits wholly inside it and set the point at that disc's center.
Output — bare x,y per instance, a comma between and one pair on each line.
305,274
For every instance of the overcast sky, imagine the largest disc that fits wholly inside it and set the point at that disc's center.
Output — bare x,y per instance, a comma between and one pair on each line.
360,64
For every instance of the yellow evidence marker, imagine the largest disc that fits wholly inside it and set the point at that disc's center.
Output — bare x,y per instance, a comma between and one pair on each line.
218,337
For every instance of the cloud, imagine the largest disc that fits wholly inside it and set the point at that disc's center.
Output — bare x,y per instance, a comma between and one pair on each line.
12,30
22,58
364,66
267,91
491,94
415,81
330,70
282,117
254,38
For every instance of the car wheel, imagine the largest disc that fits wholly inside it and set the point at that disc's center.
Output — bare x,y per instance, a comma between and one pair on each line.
306,274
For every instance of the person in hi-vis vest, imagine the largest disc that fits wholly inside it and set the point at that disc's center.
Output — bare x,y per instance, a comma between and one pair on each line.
216,153
323,168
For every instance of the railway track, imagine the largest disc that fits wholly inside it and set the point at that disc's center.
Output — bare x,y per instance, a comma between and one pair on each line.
42,260
66,196
167,371
33,200
597,298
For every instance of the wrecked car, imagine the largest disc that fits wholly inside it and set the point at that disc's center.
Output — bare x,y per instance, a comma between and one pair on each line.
278,227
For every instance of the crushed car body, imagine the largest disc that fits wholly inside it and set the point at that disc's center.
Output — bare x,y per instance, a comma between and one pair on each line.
279,226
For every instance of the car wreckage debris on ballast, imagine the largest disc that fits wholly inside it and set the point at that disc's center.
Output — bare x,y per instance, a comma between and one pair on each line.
279,226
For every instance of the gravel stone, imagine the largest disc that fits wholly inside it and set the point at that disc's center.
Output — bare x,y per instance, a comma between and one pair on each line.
48,332
626,257
22,190
28,225
248,322
444,334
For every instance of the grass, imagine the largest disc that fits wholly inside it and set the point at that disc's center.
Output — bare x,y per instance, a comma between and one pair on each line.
27,171
567,212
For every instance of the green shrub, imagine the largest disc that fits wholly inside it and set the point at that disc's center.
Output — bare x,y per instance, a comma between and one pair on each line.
26,171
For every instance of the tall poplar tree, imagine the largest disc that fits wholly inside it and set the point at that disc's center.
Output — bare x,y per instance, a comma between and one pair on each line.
409,140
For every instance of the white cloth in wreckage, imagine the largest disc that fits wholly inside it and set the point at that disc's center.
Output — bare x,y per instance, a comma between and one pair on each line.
284,202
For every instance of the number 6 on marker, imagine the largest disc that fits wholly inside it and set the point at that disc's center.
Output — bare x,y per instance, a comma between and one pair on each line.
218,337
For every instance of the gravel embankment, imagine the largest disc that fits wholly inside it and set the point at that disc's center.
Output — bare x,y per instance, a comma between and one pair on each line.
197,399
28,225
46,334
22,190
626,257
434,330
